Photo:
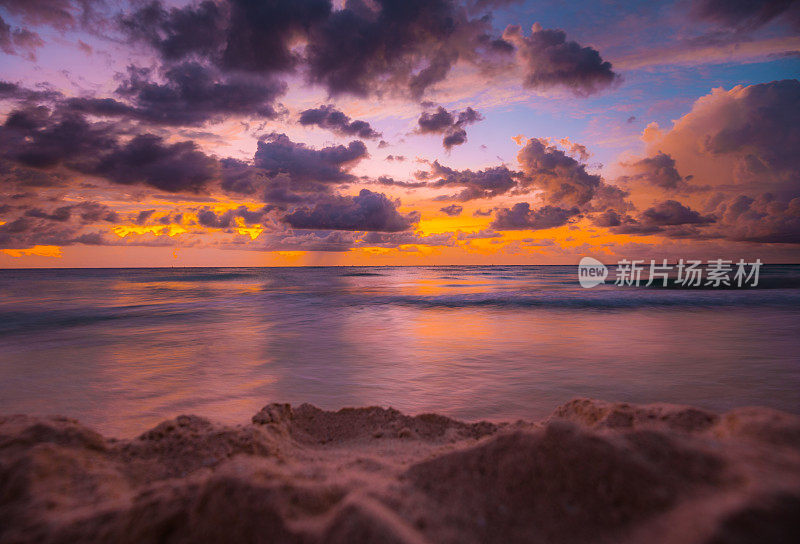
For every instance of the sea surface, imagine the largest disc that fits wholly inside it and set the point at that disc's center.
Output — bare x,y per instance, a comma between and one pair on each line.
123,349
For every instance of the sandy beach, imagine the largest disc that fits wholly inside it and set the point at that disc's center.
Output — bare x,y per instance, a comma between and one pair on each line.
591,472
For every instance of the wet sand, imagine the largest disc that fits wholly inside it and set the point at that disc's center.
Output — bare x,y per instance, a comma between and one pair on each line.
591,472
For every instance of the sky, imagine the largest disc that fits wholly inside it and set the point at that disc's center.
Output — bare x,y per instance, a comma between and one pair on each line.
397,132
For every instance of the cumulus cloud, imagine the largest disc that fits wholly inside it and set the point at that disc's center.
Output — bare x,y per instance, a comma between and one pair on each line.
549,61
563,179
207,217
361,48
670,213
39,138
452,210
371,45
192,94
277,153
367,211
451,124
486,183
658,170
522,217
330,118
668,218
738,149
147,159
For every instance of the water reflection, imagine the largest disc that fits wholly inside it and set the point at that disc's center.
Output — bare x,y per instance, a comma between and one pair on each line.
124,349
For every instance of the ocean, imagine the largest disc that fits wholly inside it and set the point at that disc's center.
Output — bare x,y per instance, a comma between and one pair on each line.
123,349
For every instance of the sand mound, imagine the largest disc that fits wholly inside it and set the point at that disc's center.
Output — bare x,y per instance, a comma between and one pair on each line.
593,472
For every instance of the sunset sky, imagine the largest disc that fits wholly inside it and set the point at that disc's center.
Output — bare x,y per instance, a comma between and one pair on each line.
372,132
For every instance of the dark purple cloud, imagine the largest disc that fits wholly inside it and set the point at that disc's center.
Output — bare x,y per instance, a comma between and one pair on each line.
19,41
278,154
522,217
450,124
38,138
452,210
330,118
364,48
367,46
208,218
13,91
672,212
551,61
563,179
191,95
391,182
669,218
59,14
241,35
658,170
368,211
179,32
147,159
486,183
746,14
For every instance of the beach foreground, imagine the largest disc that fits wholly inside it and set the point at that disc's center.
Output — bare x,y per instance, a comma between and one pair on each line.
592,472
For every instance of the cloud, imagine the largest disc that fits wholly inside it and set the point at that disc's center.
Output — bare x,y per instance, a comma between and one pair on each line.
368,46
744,14
208,218
575,149
191,95
19,41
763,219
330,118
669,218
563,179
38,138
522,217
450,124
658,170
147,159
25,232
363,48
486,183
367,211
278,154
391,182
33,136
670,213
738,148
549,61
453,210
59,14
13,91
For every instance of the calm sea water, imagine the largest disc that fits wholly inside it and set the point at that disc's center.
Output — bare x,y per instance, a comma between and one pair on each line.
124,349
